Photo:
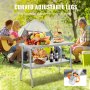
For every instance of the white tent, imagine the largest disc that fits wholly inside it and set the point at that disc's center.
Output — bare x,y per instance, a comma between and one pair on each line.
33,26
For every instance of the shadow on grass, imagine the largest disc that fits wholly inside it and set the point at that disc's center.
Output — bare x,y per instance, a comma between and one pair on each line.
17,65
45,79
6,62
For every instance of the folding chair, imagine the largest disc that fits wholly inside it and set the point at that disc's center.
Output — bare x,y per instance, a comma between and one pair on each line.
4,55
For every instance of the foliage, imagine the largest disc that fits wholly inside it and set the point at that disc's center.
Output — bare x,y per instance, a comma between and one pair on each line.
69,18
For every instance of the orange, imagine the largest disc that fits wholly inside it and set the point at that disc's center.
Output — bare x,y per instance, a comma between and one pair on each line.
37,35
47,41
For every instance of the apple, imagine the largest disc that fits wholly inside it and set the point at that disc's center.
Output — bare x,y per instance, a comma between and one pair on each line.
38,43
32,37
42,35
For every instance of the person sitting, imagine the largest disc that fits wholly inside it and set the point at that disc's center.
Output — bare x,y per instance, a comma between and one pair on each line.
82,42
16,49
5,35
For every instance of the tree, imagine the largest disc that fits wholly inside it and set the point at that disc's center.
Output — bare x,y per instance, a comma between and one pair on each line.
73,21
83,9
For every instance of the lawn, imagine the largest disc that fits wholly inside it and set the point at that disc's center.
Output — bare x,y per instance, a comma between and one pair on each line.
47,78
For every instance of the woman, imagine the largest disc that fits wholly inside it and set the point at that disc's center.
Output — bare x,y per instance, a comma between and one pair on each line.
15,28
16,50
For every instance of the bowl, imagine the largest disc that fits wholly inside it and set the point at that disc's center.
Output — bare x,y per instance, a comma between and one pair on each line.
39,60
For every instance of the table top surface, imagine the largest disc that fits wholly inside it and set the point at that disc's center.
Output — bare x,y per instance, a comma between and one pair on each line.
51,44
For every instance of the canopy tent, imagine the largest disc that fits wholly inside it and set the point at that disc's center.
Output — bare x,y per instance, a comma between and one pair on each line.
34,26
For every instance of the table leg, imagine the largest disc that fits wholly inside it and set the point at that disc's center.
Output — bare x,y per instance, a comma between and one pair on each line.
32,84
60,58
21,65
70,57
21,73
30,55
61,53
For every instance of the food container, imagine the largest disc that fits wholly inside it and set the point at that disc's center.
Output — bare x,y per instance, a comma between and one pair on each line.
39,60
86,58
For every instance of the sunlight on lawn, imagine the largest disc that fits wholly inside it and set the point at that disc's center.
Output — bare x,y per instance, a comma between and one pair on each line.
47,78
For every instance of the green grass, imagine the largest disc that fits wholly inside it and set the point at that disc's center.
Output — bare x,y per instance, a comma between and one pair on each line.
47,78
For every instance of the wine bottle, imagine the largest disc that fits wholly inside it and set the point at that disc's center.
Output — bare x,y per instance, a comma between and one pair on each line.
51,55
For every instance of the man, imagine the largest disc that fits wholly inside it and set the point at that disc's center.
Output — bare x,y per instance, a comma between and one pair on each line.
5,34
82,42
